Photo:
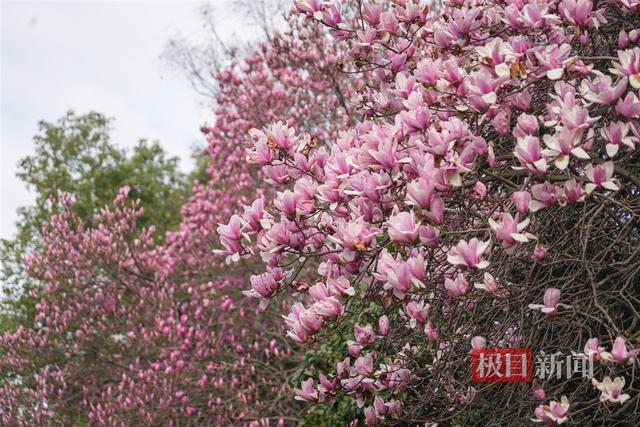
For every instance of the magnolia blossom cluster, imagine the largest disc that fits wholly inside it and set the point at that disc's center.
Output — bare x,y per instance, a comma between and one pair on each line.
481,125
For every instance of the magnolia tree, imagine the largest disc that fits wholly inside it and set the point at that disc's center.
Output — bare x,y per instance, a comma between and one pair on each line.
132,332
487,196
127,336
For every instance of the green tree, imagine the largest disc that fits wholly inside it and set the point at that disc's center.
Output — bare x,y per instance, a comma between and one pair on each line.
75,155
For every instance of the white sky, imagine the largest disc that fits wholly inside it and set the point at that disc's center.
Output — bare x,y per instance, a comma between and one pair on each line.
102,56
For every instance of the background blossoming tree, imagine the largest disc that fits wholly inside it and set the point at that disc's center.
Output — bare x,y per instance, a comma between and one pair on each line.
137,328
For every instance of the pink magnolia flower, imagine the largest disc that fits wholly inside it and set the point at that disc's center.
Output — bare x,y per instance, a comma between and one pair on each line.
328,308
526,125
266,284
355,235
404,85
574,191
468,254
509,231
494,52
562,145
383,325
489,284
601,90
431,330
628,66
400,276
287,203
478,342
457,287
261,153
395,408
600,176
625,40
230,237
616,135
501,122
579,13
544,196
553,413
307,392
312,7
417,312
629,107
592,349
611,391
341,286
416,119
364,365
552,60
538,391
326,385
364,334
619,352
539,252
530,155
429,235
421,193
482,87
480,190
521,200
403,227
302,323
426,70
551,302
254,217
532,15
354,348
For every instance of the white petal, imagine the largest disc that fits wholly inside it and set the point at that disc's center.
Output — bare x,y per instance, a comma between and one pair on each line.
519,237
265,223
610,185
541,165
490,98
523,224
580,153
535,205
482,265
555,74
609,167
502,70
612,150
562,162
455,259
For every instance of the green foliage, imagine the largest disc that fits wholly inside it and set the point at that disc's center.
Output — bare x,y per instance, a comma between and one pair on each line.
75,155
324,356
201,162
337,413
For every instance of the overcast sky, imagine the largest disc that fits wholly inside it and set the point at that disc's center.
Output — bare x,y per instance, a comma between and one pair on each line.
102,56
